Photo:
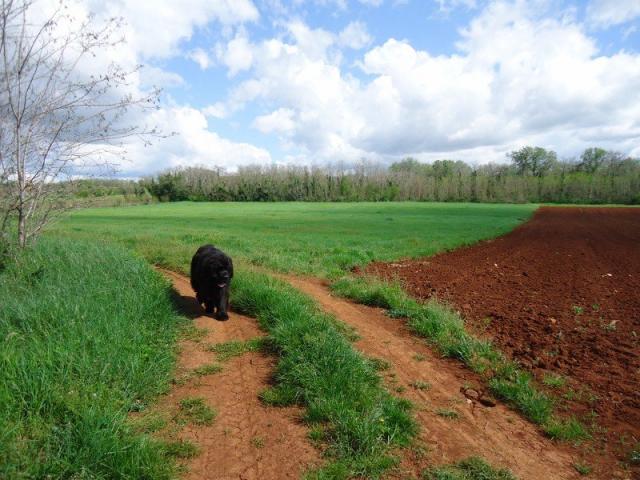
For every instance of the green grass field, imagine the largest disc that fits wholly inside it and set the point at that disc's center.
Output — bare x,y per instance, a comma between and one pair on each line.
323,239
87,335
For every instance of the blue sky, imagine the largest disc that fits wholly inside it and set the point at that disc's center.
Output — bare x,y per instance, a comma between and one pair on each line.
322,81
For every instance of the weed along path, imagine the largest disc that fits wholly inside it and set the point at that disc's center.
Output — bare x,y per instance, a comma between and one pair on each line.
452,426
246,439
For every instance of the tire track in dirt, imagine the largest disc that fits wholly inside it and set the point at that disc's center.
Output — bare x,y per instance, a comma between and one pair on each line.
247,440
497,434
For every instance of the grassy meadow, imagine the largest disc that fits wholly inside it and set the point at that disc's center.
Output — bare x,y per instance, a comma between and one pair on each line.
322,239
87,335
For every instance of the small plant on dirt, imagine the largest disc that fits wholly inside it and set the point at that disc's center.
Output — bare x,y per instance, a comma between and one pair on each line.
634,455
194,410
448,413
486,322
317,433
208,369
379,364
516,386
193,333
571,395
400,389
181,449
577,310
554,381
420,385
581,395
418,357
234,348
611,326
595,307
149,423
279,396
473,468
582,468
257,442
568,430
182,378
591,416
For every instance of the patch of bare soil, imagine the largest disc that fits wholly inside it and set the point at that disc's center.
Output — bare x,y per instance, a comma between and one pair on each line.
247,440
561,294
453,423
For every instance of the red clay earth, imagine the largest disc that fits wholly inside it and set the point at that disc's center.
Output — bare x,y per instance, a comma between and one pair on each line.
560,294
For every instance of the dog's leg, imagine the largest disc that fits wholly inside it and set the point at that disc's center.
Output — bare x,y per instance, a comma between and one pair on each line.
223,302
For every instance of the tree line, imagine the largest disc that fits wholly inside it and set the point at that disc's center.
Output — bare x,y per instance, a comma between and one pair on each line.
534,174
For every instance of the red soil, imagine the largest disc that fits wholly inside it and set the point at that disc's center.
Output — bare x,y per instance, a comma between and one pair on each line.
560,294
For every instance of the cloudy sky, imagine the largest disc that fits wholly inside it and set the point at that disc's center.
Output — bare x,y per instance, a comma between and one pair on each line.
315,81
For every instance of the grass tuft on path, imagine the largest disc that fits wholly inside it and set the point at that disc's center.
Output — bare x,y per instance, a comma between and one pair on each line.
445,330
87,334
472,468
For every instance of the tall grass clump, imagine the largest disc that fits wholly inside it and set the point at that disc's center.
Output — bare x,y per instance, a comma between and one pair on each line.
87,334
472,468
445,329
318,368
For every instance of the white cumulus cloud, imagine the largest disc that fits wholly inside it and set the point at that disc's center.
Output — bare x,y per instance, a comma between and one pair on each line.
355,35
155,28
605,13
192,144
517,77
236,55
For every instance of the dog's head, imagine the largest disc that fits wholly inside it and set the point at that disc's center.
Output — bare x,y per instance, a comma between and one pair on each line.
219,275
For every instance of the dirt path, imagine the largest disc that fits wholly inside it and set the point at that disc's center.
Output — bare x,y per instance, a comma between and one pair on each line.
559,294
247,440
496,434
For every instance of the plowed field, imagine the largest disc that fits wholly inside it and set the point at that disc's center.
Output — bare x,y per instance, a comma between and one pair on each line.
560,294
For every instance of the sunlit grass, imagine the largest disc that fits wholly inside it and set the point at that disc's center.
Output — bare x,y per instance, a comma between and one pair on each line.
87,335
324,239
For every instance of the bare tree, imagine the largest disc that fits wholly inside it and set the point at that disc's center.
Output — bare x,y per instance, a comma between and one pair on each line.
58,117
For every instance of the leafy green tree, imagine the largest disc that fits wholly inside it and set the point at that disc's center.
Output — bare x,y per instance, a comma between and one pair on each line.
535,161
407,165
592,159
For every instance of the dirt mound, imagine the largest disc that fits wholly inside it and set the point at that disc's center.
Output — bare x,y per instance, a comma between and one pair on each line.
247,440
560,294
452,425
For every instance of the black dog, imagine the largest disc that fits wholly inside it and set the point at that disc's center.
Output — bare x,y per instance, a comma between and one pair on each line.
211,273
